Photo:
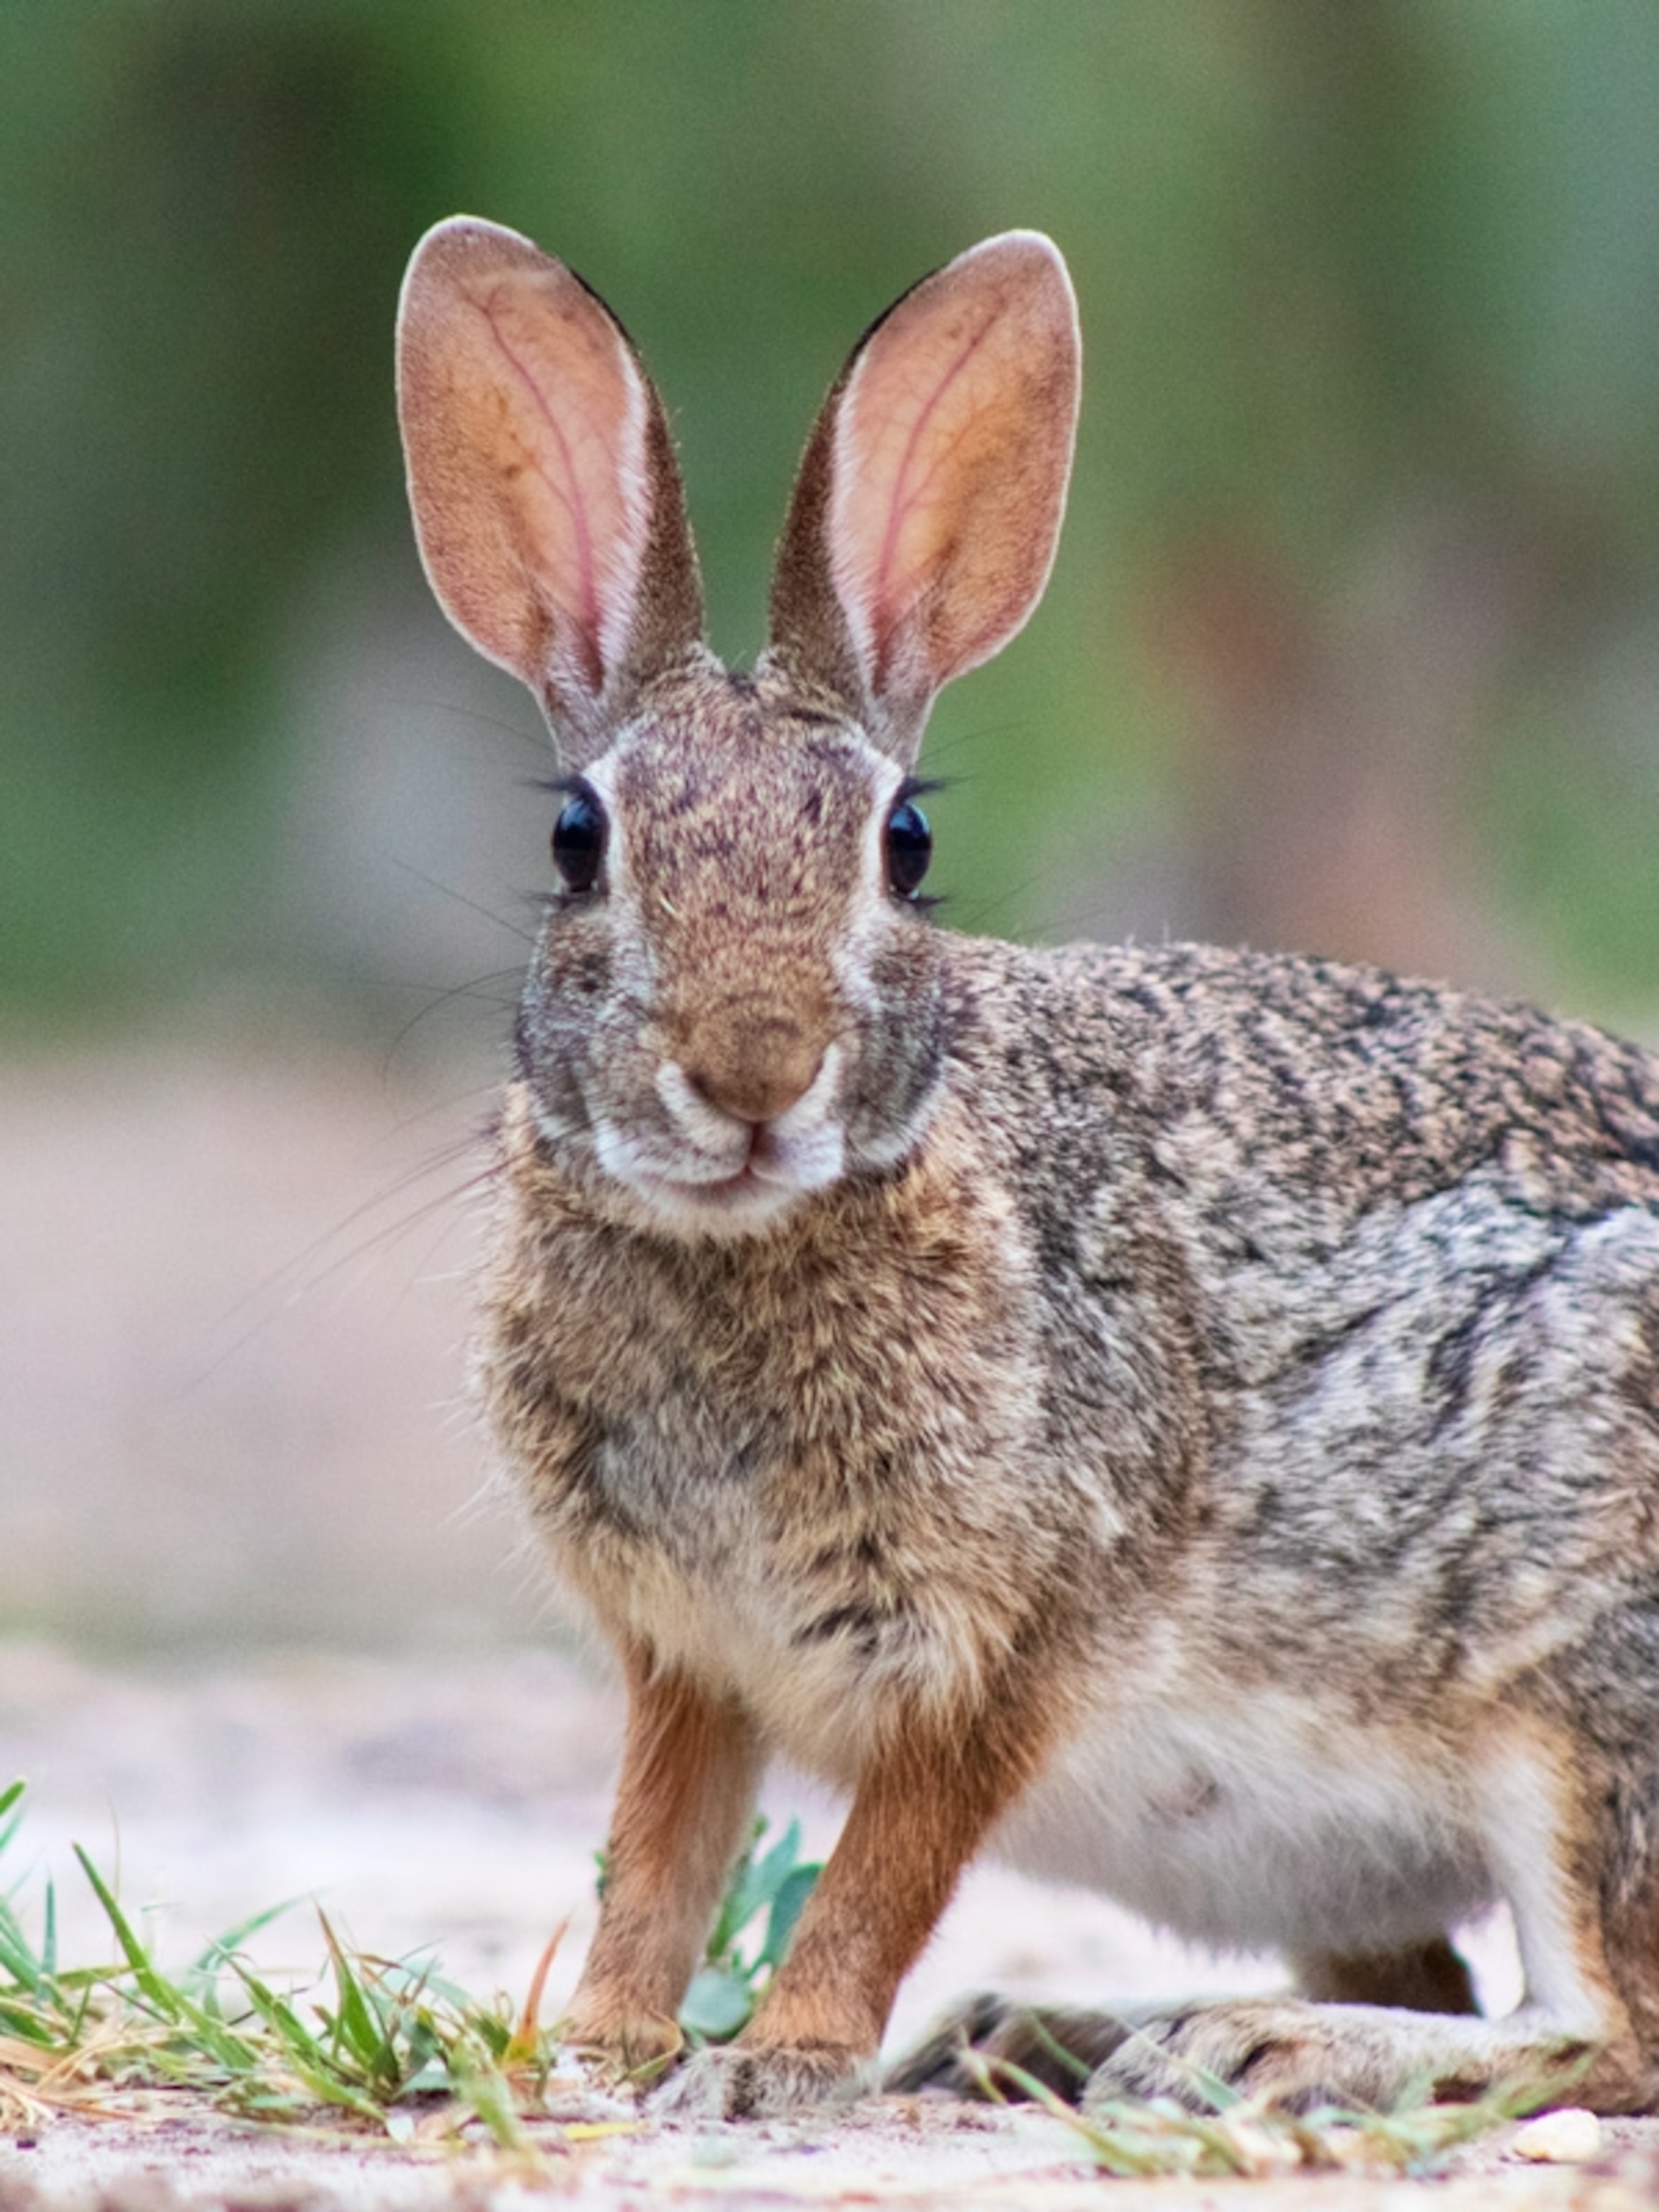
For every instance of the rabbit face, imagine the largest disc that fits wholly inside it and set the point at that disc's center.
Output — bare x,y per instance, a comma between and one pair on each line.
742,1008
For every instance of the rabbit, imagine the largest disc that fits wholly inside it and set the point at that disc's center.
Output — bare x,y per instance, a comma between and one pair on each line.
1183,1420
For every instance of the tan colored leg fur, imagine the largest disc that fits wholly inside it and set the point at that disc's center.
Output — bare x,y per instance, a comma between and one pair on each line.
1061,2046
1372,2028
921,1808
690,1770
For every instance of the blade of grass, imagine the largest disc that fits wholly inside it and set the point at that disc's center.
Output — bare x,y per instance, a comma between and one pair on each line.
160,1992
525,2042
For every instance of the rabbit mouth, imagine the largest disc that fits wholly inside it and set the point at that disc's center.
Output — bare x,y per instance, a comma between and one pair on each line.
695,1192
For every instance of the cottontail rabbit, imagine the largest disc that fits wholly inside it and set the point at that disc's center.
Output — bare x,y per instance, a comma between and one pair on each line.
1185,1420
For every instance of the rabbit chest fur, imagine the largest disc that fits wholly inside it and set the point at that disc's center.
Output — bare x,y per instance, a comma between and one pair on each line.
1188,1419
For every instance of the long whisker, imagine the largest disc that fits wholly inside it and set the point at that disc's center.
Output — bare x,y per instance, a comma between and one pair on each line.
448,890
474,989
447,1202
452,710
300,1275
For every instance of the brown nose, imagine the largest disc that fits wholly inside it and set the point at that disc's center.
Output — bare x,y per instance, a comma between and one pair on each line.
754,1066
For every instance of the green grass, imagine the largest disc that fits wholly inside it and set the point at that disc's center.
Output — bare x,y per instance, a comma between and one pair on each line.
752,1931
373,2048
370,2048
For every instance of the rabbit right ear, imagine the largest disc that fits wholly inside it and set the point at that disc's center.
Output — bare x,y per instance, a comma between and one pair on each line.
929,500
547,503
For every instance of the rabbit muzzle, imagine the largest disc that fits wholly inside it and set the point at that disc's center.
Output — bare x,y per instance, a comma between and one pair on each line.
751,1122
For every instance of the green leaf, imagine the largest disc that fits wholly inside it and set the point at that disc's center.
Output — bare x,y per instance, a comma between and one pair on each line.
363,2034
717,2003
218,1953
763,1878
16,1954
791,1894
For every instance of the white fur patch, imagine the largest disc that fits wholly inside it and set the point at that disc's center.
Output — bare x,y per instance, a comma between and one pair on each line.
1251,1822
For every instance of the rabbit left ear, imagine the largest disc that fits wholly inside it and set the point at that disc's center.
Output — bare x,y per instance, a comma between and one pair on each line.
547,503
929,501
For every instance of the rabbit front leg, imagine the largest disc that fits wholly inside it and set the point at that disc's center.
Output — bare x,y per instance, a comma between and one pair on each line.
923,1805
690,1765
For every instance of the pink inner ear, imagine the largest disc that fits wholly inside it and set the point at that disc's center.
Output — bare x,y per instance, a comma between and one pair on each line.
898,510
951,447
524,417
565,543
568,443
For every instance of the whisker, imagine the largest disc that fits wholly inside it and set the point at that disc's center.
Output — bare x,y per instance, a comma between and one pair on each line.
476,906
473,989
452,710
449,1201
443,1157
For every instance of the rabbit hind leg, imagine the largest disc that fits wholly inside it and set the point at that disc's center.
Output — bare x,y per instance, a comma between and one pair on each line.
984,2044
990,2046
1586,2032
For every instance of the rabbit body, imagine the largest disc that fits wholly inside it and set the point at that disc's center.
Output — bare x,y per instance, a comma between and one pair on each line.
1185,1419
1290,1329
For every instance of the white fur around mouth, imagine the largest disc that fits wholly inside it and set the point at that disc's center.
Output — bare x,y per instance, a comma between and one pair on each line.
712,1171
759,1177
695,1194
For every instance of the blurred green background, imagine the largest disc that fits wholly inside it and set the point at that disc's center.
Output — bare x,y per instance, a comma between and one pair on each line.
1353,645
1354,640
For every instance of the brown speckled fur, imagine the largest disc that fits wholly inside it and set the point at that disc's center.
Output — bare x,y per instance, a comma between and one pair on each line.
1186,1419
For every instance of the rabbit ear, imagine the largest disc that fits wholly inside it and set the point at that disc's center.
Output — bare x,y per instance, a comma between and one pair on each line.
929,500
547,503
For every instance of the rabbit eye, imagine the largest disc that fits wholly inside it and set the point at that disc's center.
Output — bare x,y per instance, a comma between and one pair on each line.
579,843
909,848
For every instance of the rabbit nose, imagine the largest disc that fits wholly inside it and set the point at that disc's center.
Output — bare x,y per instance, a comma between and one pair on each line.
754,1069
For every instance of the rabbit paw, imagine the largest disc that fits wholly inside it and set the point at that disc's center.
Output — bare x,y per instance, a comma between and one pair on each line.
968,2052
623,2045
758,2082
1278,2051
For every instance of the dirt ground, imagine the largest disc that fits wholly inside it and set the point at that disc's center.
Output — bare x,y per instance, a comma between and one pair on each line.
232,1302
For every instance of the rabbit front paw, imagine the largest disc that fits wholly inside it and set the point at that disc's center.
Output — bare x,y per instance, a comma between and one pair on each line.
743,2082
625,2043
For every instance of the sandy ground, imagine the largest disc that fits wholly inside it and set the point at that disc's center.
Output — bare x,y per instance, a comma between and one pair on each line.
232,1303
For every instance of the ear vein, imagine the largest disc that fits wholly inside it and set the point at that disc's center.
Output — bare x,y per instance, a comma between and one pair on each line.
569,496
907,497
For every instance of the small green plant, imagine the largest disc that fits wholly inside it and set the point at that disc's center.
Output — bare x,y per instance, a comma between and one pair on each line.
752,1931
380,2046
375,2045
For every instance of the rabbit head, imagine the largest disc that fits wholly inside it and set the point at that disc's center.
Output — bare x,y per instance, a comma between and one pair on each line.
735,999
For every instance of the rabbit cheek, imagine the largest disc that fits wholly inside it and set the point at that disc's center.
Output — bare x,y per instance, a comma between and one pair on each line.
553,1035
894,1077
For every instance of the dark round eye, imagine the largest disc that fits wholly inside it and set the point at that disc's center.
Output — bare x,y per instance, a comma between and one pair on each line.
909,847
579,843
